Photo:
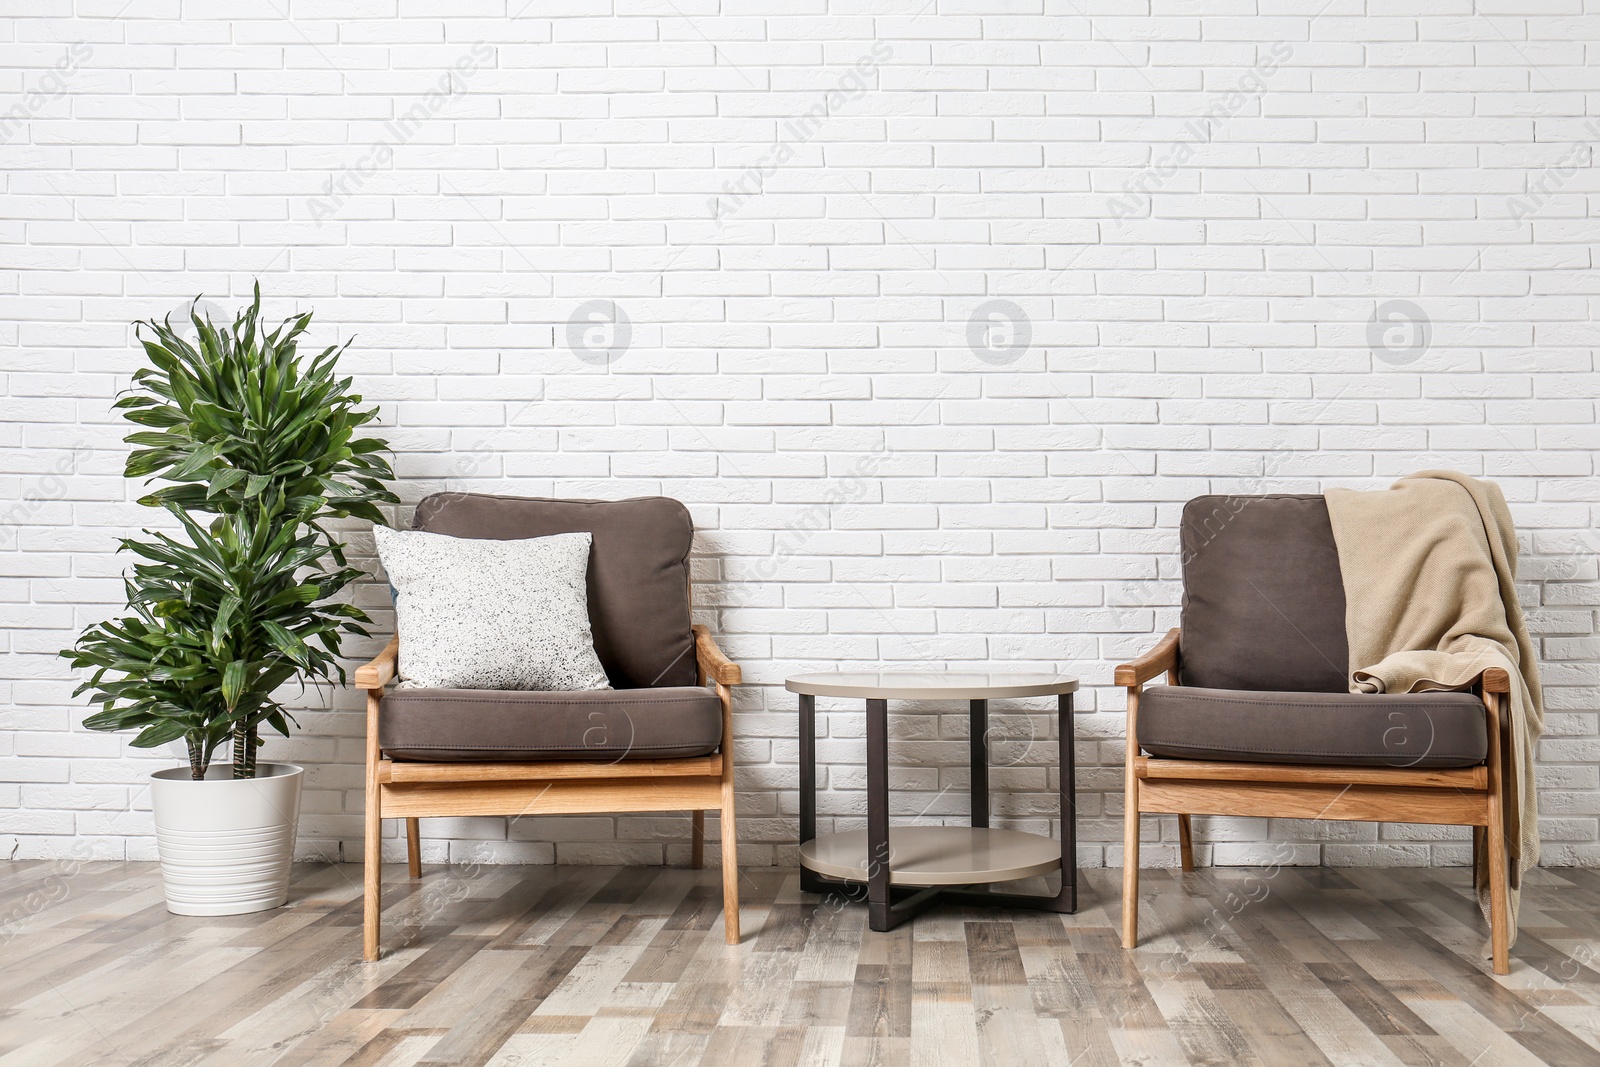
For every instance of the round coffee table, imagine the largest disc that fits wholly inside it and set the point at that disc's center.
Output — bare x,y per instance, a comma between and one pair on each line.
908,868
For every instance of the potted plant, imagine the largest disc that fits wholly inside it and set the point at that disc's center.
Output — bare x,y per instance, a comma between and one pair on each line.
257,448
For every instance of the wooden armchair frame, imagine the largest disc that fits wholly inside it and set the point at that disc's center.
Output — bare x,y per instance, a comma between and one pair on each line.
417,790
1467,796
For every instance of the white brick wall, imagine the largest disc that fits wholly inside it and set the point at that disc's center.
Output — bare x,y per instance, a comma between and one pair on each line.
1232,229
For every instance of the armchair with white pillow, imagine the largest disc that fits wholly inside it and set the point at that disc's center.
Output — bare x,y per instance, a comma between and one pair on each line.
545,664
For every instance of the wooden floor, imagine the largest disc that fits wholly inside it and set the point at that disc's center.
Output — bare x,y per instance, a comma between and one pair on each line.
574,965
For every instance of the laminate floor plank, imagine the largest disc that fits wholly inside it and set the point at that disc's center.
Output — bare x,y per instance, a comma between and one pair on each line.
550,900
600,1042
1478,1040
1517,1016
668,955
519,984
626,967
334,1043
761,995
754,1046
423,974
1209,1037
593,982
1271,1031
943,1033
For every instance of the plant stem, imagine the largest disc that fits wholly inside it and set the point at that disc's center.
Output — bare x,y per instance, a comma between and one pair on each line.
197,760
245,740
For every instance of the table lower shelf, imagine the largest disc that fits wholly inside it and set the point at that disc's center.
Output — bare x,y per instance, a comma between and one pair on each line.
937,855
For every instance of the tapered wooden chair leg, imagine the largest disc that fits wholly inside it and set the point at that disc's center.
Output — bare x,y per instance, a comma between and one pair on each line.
1495,840
372,860
1477,857
1499,893
1185,843
1130,870
414,848
372,868
697,839
730,866
1130,828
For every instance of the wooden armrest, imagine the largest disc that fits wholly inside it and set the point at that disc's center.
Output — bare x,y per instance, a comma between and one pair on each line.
712,661
1495,680
381,670
1164,657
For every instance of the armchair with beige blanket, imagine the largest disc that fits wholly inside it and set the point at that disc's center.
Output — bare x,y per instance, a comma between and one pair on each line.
1359,656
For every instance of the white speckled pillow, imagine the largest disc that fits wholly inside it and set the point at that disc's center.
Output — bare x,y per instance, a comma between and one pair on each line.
479,614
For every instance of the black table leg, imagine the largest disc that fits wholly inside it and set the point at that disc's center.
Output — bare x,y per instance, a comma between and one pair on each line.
887,907
1067,756
1066,898
878,900
808,786
978,746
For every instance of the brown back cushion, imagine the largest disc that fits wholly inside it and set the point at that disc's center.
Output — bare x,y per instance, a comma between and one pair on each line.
638,571
1263,598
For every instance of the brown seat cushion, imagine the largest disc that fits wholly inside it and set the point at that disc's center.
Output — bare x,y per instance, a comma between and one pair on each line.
604,725
638,571
1263,597
1344,729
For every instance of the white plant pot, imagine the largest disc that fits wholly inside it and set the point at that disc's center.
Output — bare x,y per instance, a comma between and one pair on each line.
226,845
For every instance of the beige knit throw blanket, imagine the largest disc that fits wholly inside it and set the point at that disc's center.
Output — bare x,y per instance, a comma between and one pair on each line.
1429,603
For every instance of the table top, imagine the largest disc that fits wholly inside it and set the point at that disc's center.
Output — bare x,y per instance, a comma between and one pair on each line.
932,685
